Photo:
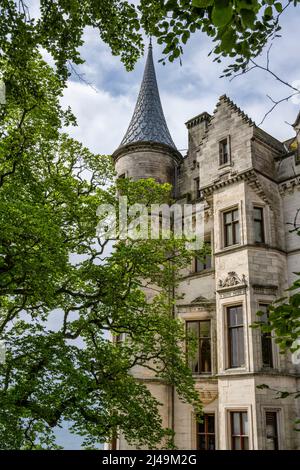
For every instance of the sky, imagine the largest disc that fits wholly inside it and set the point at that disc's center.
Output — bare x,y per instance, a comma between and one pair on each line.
104,109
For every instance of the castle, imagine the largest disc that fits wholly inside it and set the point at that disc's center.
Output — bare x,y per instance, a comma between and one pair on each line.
249,183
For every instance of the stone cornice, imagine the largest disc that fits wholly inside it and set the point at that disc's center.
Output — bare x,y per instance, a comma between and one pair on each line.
198,119
290,185
136,147
250,176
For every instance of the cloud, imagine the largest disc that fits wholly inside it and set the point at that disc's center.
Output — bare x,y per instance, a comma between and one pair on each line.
102,118
185,91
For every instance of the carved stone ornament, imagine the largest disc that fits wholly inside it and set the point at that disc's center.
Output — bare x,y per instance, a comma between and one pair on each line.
232,280
208,396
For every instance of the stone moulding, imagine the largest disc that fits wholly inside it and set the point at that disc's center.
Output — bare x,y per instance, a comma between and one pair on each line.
265,289
136,147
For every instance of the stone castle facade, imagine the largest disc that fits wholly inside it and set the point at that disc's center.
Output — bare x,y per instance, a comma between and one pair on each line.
249,183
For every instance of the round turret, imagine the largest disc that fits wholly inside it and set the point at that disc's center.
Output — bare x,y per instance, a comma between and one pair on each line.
147,149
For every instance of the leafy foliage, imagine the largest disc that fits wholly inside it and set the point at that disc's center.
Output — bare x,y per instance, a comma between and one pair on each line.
240,28
62,289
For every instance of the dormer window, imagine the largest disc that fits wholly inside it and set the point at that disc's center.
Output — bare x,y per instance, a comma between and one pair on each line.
224,152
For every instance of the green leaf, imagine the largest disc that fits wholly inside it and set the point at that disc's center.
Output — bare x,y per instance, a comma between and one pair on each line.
222,14
278,7
268,12
248,18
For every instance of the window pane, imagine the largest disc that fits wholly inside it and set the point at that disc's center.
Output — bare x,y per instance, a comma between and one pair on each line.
263,308
201,442
205,329
205,355
266,349
193,358
237,353
193,328
235,215
246,443
258,231
201,426
235,315
228,217
240,347
236,230
208,261
199,265
271,430
266,339
245,423
206,433
236,443
228,235
236,430
211,443
239,430
258,213
211,423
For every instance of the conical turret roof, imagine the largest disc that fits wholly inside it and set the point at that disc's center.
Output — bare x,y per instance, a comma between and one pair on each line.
148,122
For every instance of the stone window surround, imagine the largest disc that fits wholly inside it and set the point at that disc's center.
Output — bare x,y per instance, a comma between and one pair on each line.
203,316
223,364
266,226
208,410
201,373
229,161
280,423
237,408
221,238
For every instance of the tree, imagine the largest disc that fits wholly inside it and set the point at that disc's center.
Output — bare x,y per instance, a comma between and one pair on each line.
240,28
53,265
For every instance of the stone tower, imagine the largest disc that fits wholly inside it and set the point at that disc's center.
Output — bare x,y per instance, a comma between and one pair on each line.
147,149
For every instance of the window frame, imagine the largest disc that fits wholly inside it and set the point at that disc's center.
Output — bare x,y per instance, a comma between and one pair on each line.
241,429
206,434
222,143
229,336
233,223
263,335
262,225
276,437
199,338
205,263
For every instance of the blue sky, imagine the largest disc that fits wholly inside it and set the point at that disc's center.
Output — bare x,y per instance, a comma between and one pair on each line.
104,113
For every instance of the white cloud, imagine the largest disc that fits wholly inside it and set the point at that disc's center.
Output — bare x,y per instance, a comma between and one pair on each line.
102,118
195,87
